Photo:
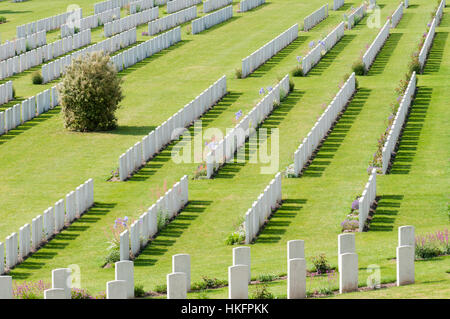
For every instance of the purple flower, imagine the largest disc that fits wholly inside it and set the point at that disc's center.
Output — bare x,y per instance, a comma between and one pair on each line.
299,58
355,204
262,91
238,114
311,44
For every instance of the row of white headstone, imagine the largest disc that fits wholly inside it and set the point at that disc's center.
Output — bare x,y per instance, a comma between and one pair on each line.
47,24
367,198
56,68
110,4
246,5
25,61
315,18
235,139
430,36
170,130
172,20
262,208
166,208
260,56
92,21
141,5
43,227
239,274
211,5
338,4
348,259
376,46
315,55
146,49
209,20
6,92
397,15
177,5
18,46
399,120
359,13
320,129
30,108
130,21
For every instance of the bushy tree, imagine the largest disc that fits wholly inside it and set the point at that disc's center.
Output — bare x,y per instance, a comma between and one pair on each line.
90,93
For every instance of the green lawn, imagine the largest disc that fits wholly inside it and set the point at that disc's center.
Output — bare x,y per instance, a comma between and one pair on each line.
40,161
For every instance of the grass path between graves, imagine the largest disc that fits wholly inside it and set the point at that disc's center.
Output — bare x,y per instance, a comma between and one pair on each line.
42,161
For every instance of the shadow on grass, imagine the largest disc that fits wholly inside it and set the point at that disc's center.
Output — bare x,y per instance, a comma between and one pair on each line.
152,58
334,140
167,236
329,58
61,240
409,139
277,58
384,55
28,125
445,22
165,155
345,7
406,19
384,216
215,27
229,170
434,61
279,221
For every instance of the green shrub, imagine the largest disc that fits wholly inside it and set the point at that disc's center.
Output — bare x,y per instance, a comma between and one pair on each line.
162,220
208,283
162,289
291,85
321,264
358,68
297,71
267,277
2,19
235,238
414,64
262,292
113,256
90,93
36,78
139,290
238,73
427,251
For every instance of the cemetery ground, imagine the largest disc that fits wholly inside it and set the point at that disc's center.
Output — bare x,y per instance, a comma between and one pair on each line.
40,161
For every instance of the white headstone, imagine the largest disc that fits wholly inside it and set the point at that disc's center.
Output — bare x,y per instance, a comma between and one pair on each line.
182,263
6,291
241,256
348,274
61,279
346,244
238,282
406,236
176,285
296,285
125,245
295,249
55,293
405,265
125,271
116,289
